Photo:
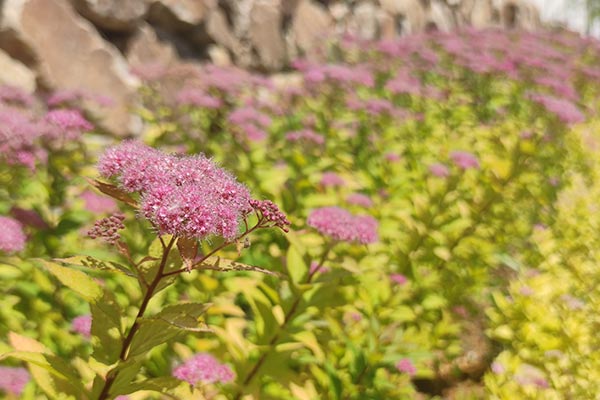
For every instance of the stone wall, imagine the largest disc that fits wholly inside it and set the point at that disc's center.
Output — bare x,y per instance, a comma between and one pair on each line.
92,45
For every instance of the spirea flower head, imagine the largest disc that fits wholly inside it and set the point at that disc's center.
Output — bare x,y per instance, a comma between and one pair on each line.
406,366
464,159
339,224
203,368
186,196
306,135
12,238
439,170
399,279
13,379
359,199
197,97
82,325
67,123
331,179
565,110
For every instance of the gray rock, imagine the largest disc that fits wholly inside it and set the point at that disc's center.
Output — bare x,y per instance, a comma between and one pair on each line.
177,15
113,15
403,17
146,48
311,25
265,33
14,73
70,54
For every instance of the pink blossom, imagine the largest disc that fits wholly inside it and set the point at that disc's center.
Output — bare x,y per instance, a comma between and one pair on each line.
246,115
306,135
15,95
439,170
406,366
66,123
464,159
18,138
331,179
203,368
82,325
393,157
359,199
13,379
253,133
399,279
181,195
197,97
12,238
98,204
564,109
339,224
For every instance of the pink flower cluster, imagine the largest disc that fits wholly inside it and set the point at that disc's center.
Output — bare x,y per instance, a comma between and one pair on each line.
198,98
464,159
186,196
108,228
564,109
13,379
66,123
339,224
271,214
82,325
406,366
203,368
306,135
12,238
331,179
439,170
19,136
359,199
251,121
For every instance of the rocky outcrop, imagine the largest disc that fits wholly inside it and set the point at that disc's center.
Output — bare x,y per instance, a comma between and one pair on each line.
68,53
16,74
113,15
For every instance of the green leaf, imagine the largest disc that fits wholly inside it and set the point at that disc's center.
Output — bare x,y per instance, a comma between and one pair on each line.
297,266
433,302
163,384
266,323
93,263
224,265
107,336
78,281
335,383
166,325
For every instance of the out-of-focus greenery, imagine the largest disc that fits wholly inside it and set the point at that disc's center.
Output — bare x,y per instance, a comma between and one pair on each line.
481,270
